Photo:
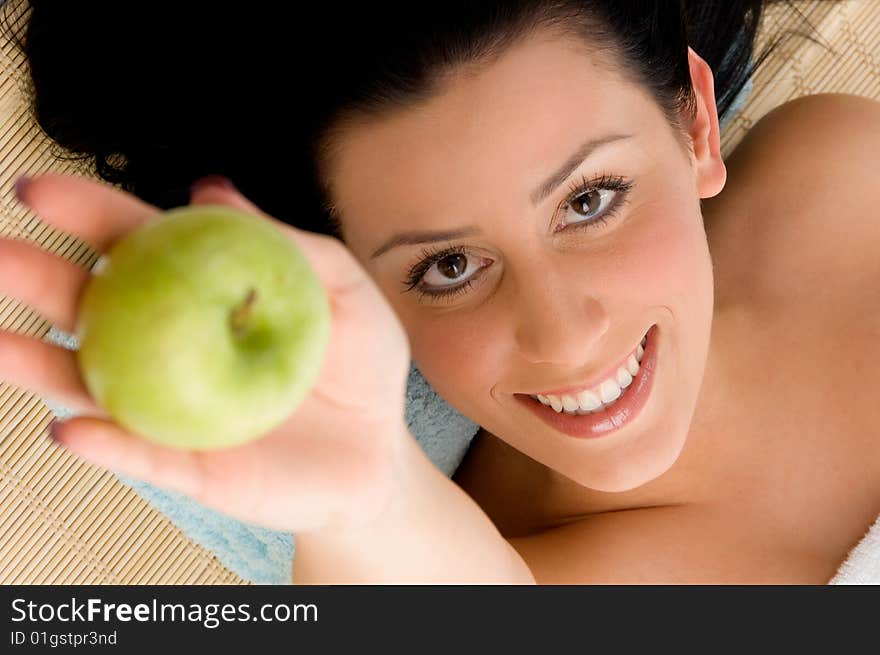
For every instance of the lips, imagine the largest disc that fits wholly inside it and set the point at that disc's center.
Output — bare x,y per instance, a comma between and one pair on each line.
609,418
609,374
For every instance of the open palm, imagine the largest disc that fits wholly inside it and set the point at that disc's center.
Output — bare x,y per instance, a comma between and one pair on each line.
331,463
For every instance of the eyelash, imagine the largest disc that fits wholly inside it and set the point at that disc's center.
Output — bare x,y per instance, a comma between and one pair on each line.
431,255
615,183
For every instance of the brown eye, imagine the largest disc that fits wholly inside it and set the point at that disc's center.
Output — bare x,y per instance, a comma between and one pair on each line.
453,269
452,266
589,205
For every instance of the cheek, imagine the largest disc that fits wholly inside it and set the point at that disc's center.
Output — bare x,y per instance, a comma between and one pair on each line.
662,262
456,354
667,262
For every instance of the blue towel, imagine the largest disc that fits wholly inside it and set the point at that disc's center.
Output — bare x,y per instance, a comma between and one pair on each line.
265,556
740,100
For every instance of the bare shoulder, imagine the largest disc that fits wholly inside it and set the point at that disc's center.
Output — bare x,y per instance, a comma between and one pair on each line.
801,202
808,147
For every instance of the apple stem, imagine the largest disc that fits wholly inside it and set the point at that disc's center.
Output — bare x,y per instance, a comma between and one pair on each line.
239,317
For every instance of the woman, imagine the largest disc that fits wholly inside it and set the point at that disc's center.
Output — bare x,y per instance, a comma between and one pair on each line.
658,344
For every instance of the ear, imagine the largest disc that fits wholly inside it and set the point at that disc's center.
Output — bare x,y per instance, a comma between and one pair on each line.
704,130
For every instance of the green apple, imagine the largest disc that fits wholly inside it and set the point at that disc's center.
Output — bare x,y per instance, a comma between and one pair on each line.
204,328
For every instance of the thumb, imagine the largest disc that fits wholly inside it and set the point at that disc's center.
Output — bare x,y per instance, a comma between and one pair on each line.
218,190
335,265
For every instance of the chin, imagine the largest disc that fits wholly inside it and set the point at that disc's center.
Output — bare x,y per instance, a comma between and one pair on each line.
632,465
642,457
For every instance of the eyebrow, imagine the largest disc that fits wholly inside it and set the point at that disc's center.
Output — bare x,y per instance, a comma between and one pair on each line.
426,236
571,164
577,158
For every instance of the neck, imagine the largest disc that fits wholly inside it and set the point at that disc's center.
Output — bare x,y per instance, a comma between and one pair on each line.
692,479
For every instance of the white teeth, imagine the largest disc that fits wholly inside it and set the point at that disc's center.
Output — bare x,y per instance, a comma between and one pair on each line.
624,379
644,341
609,390
589,400
632,365
569,404
594,400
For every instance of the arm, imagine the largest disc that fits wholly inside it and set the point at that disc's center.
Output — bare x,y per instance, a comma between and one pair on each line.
343,457
432,532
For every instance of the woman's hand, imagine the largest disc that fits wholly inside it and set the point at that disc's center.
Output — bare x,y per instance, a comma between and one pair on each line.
332,464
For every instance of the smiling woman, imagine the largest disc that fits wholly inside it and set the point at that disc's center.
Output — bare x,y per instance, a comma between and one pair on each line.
581,202
536,189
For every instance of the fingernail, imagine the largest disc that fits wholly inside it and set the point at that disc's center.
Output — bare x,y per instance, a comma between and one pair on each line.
21,185
54,428
217,181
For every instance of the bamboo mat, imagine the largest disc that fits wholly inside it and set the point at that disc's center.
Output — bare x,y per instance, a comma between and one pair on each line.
65,522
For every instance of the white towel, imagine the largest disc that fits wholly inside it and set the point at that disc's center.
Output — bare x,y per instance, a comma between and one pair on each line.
862,565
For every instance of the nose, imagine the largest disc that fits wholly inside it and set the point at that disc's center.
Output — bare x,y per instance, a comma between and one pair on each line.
559,324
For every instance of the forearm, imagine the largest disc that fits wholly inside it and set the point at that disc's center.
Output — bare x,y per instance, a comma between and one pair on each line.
431,533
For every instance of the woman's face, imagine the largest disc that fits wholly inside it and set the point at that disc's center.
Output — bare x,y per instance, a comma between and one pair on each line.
547,215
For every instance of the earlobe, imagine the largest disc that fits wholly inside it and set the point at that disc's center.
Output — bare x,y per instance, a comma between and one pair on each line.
705,131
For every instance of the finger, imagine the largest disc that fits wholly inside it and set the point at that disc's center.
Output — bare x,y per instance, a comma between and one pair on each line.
47,370
94,211
47,282
106,444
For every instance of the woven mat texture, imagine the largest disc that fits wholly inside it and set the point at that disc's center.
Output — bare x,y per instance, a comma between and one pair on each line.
66,522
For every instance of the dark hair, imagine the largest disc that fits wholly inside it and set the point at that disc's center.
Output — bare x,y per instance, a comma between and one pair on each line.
158,98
